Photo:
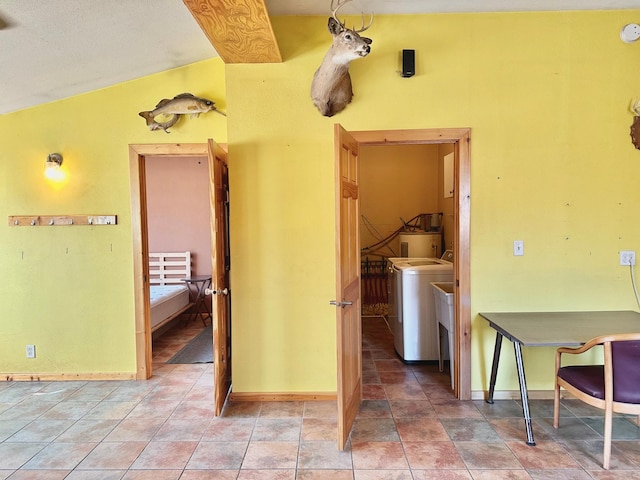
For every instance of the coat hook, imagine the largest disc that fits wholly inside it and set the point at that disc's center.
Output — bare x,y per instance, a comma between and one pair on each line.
90,220
51,222
33,222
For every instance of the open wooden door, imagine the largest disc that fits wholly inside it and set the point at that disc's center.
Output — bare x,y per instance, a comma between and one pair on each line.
349,328
221,300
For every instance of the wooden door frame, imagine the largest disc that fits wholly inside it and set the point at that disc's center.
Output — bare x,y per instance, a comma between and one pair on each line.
137,154
461,139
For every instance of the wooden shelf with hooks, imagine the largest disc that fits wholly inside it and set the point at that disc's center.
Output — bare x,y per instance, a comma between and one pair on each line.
57,220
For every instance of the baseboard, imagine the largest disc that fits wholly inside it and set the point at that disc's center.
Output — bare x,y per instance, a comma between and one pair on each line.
329,396
513,395
61,377
282,396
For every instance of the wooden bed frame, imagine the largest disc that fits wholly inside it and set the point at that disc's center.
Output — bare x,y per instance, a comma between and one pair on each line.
169,268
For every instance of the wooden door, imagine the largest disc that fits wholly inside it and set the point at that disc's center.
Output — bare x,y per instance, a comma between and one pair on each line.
221,299
349,328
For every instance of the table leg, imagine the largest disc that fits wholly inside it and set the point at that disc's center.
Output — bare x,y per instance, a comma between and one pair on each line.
200,302
494,366
193,297
523,393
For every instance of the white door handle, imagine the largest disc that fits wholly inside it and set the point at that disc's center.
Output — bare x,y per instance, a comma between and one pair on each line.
209,291
339,304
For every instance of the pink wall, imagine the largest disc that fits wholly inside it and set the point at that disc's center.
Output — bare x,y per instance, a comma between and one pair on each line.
178,208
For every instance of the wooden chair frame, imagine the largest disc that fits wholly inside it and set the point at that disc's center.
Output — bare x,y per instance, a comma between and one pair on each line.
608,405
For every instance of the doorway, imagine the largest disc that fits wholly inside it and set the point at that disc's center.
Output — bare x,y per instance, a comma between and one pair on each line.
179,246
218,224
348,316
460,138
406,210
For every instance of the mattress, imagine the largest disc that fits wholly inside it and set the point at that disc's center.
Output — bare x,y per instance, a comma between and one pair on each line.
166,300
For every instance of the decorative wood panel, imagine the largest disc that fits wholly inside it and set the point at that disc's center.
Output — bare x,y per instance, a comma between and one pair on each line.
239,30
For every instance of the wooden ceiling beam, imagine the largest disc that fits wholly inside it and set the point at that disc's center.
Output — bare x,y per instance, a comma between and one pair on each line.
239,30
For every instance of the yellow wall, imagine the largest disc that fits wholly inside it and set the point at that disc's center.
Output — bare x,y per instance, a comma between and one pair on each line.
69,290
399,181
546,96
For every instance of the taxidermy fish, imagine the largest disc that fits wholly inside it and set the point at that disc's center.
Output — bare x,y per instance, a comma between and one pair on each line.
163,125
183,104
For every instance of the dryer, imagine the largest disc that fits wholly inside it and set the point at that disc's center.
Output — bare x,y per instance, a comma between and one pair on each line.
412,317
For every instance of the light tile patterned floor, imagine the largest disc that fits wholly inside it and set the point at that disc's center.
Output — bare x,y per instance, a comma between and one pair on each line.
409,427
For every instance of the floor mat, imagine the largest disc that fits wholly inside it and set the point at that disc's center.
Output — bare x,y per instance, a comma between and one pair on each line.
198,350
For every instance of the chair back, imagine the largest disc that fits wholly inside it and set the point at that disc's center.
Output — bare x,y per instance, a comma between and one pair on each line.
625,357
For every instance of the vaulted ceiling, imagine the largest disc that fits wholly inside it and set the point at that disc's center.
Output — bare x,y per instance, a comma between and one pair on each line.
59,48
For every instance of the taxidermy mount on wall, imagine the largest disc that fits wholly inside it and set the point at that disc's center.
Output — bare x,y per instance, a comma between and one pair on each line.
183,104
331,88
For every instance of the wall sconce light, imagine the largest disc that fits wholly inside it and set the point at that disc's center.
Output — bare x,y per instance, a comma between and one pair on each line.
630,33
52,167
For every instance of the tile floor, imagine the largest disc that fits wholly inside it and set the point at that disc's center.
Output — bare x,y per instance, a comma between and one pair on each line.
409,427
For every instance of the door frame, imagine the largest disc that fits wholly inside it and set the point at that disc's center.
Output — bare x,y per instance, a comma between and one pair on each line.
461,139
139,230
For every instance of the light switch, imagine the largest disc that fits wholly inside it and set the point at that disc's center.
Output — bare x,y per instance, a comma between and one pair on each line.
518,247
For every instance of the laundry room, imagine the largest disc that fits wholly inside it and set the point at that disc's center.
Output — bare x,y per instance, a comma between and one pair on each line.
406,238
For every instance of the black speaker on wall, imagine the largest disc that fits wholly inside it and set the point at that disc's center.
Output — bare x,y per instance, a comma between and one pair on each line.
408,63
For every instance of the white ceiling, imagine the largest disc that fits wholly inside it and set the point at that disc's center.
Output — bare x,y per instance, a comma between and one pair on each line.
52,49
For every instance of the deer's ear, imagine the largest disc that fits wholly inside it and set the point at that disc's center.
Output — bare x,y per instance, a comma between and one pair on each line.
368,41
334,27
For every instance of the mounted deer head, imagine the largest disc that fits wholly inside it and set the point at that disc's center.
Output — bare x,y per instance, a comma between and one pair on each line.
331,89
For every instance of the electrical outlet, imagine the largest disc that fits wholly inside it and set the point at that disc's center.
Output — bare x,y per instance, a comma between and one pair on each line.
627,257
31,351
518,247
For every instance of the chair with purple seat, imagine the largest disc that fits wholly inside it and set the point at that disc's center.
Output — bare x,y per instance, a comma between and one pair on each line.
613,387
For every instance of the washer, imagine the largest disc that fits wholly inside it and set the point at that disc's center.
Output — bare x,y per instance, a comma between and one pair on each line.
412,315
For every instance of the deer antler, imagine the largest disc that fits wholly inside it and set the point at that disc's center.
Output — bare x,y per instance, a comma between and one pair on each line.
334,11
363,28
635,107
342,3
